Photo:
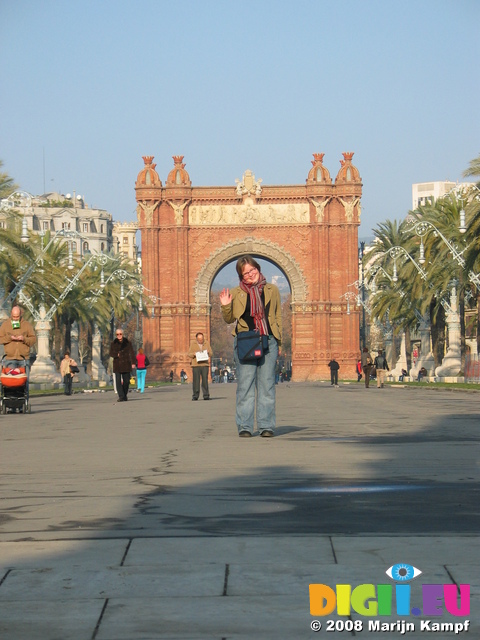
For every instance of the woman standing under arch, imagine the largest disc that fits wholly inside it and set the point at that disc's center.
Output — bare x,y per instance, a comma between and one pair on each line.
254,306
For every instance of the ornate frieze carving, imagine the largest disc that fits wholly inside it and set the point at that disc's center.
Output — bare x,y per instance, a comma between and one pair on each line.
320,208
178,210
248,213
148,209
349,206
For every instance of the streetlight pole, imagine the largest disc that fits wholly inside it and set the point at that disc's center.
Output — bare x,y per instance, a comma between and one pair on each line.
422,228
363,332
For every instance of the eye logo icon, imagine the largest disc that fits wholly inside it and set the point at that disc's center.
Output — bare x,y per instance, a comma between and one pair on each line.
403,572
378,600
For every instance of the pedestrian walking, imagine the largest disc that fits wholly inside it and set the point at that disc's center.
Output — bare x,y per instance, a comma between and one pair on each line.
200,353
381,367
68,367
359,369
121,351
142,362
171,375
367,364
334,367
255,308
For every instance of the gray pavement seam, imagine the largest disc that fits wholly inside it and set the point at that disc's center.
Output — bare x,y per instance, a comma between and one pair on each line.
99,621
225,581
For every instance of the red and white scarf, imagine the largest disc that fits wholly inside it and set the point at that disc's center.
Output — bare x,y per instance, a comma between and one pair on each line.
257,308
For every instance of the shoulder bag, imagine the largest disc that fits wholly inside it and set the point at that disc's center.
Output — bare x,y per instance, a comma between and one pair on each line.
251,345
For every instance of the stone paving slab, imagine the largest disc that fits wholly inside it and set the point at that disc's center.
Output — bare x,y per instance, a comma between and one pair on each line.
252,617
242,550
44,620
48,554
174,580
419,550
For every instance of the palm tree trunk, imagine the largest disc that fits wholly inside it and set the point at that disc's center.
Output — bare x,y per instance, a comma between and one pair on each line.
408,347
437,321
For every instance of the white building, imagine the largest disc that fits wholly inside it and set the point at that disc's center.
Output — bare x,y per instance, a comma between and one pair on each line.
52,212
124,239
427,192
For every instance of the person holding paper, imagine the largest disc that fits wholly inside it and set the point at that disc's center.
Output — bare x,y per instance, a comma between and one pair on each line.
200,353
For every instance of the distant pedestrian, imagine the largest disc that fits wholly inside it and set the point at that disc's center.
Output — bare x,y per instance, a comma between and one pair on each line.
200,353
171,375
367,364
381,367
359,370
66,372
402,375
334,367
183,376
142,364
121,351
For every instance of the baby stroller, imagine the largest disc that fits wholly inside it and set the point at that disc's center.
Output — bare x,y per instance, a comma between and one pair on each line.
14,386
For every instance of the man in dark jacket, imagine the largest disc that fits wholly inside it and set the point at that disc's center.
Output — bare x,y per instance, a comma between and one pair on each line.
382,368
123,356
334,367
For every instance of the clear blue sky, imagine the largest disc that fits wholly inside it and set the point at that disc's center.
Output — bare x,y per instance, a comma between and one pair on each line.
261,85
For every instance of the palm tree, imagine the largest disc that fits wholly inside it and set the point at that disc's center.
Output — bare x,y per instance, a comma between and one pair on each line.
392,304
472,211
7,185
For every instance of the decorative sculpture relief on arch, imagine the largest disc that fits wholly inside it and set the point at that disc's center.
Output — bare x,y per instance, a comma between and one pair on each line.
262,248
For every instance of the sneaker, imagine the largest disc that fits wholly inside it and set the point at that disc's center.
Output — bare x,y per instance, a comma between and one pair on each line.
268,433
244,434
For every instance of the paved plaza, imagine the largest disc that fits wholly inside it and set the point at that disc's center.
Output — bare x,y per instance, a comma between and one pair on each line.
152,520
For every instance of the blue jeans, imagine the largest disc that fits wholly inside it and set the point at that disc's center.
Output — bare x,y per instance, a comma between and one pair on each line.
141,374
259,376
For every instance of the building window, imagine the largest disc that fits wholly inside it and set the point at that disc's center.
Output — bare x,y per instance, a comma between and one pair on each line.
102,246
66,226
85,227
85,247
125,240
45,225
3,224
101,228
74,247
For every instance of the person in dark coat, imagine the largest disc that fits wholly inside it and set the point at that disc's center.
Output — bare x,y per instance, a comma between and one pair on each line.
334,367
367,364
121,351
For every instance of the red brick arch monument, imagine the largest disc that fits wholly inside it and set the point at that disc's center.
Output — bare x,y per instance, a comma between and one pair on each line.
310,231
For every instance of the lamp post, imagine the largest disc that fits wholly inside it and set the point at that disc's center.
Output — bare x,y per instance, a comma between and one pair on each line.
43,369
363,331
19,199
421,229
453,364
62,233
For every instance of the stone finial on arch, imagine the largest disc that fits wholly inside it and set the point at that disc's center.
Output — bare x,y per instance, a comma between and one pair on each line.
262,248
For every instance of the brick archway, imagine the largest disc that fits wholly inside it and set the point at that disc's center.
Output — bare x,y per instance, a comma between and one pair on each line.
233,250
310,231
